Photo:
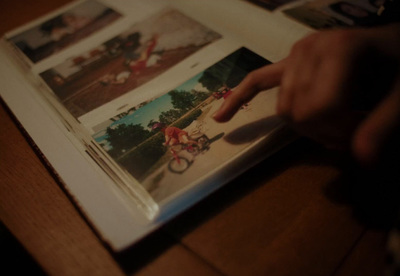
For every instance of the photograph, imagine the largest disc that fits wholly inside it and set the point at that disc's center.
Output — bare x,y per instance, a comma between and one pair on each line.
171,141
336,14
64,30
127,61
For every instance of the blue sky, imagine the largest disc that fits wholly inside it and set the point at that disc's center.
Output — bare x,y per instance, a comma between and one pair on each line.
152,110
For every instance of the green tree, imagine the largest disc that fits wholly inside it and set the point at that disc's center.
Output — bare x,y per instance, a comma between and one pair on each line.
151,123
231,70
124,137
170,116
200,96
212,79
182,100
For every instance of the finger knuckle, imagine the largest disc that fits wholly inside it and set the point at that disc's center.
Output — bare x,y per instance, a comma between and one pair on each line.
252,78
345,43
306,43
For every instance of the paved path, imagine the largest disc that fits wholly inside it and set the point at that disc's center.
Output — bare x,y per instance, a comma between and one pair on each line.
248,125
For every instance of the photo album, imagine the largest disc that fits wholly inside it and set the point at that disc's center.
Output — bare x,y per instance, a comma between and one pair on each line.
118,97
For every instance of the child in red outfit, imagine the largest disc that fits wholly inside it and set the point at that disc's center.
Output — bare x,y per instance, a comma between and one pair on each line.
174,135
137,65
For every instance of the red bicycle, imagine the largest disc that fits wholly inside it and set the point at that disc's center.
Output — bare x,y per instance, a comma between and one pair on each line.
180,163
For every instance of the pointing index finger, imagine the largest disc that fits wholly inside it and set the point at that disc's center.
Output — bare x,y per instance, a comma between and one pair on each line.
258,80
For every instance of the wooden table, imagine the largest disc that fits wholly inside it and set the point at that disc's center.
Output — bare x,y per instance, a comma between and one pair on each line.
290,215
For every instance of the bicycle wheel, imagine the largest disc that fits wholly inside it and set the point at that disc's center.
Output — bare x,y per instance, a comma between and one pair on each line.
178,167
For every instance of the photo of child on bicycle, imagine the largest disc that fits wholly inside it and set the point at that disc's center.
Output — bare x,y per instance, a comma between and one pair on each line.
171,141
173,135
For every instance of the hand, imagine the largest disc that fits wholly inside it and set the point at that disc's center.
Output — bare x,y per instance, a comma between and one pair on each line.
341,88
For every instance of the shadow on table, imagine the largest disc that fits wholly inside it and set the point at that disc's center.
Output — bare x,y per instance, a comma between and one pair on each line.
371,195
14,258
147,250
374,195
